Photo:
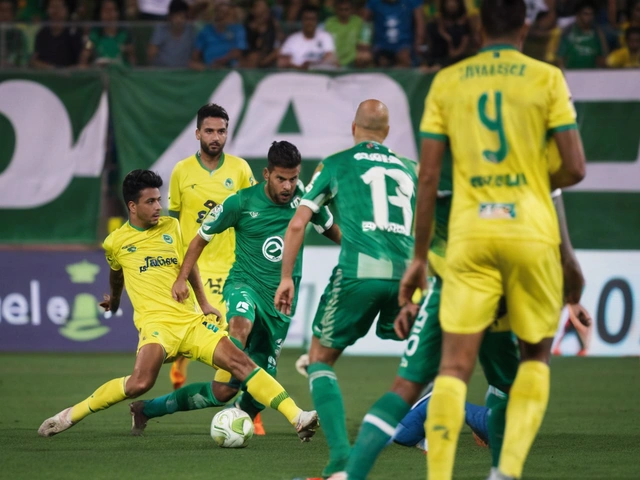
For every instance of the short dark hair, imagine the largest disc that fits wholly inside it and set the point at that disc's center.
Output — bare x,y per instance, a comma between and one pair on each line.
178,6
585,4
310,9
283,154
136,181
459,13
630,31
502,17
212,110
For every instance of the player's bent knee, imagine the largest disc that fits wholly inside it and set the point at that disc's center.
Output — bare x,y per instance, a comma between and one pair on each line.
407,390
139,386
223,392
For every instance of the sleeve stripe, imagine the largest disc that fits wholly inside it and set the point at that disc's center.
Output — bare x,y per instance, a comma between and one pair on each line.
562,128
310,205
435,136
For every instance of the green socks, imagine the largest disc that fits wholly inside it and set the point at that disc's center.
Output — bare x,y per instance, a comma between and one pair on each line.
327,400
247,403
190,397
496,402
377,429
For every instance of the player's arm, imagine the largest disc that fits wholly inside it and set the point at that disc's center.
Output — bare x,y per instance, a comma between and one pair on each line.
334,234
111,302
218,220
573,278
198,290
175,197
562,124
434,141
323,223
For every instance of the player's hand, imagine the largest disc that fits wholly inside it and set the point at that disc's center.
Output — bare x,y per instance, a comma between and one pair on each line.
573,281
109,303
209,309
284,296
580,313
180,290
414,277
404,321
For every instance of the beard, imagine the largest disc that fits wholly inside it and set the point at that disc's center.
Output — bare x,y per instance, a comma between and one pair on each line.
212,151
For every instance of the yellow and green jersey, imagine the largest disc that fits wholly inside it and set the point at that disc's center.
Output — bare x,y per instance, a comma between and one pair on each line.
150,260
194,190
497,109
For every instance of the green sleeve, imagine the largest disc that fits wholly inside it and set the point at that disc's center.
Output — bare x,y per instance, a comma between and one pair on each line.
221,217
319,191
323,220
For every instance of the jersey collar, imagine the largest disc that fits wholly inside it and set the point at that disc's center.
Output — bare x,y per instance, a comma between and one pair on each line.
204,166
497,46
137,228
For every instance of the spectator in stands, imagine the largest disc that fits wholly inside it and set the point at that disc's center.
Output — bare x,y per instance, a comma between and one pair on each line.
263,36
633,20
310,47
109,43
629,56
398,30
14,44
582,44
352,37
171,43
154,10
449,35
221,43
57,45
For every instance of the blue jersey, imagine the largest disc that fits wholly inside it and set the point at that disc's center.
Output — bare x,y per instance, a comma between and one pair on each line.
215,44
393,23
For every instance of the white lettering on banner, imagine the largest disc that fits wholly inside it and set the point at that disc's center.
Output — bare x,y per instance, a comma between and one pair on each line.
45,159
613,285
324,105
16,309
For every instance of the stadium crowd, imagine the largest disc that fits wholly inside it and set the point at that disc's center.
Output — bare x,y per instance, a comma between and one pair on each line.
303,34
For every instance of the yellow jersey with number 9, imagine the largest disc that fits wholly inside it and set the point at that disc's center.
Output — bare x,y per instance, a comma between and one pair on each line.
194,191
497,110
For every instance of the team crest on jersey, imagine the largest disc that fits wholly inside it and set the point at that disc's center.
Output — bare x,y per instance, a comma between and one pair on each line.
228,184
167,238
254,214
272,249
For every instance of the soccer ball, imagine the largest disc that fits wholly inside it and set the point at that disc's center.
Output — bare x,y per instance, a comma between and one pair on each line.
231,428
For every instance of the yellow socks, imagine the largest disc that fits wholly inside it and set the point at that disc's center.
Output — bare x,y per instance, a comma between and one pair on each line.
444,422
108,394
527,404
266,390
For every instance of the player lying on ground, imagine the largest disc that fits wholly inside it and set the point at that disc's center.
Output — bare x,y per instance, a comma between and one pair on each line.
260,216
147,250
372,189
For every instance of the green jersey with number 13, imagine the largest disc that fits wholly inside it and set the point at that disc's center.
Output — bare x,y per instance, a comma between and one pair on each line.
373,191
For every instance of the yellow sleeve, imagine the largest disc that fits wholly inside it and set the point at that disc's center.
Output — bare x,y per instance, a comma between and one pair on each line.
110,254
247,179
562,115
616,59
433,124
175,202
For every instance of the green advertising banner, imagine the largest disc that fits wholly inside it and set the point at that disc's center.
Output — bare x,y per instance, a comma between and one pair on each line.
154,118
53,132
54,128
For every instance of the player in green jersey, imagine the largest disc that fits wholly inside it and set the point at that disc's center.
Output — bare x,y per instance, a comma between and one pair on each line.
373,191
260,216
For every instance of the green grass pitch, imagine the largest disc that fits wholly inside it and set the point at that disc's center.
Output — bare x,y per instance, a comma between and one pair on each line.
591,431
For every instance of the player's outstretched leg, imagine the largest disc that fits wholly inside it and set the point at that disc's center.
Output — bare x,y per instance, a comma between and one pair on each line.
379,426
178,373
145,372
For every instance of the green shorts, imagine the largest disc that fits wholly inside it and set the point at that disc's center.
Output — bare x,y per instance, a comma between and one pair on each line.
349,306
499,356
270,327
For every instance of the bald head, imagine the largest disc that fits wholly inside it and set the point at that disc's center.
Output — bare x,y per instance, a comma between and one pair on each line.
372,115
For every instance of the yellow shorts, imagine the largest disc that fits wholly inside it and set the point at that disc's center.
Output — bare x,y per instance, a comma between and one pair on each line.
479,272
197,339
213,283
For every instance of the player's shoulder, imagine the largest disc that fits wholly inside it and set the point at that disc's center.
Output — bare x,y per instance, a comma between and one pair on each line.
185,164
234,161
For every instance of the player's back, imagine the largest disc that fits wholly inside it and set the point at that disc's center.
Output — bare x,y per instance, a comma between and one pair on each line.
498,108
373,190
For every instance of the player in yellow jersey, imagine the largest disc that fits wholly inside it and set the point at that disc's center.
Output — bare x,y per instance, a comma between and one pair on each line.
148,251
496,111
199,183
